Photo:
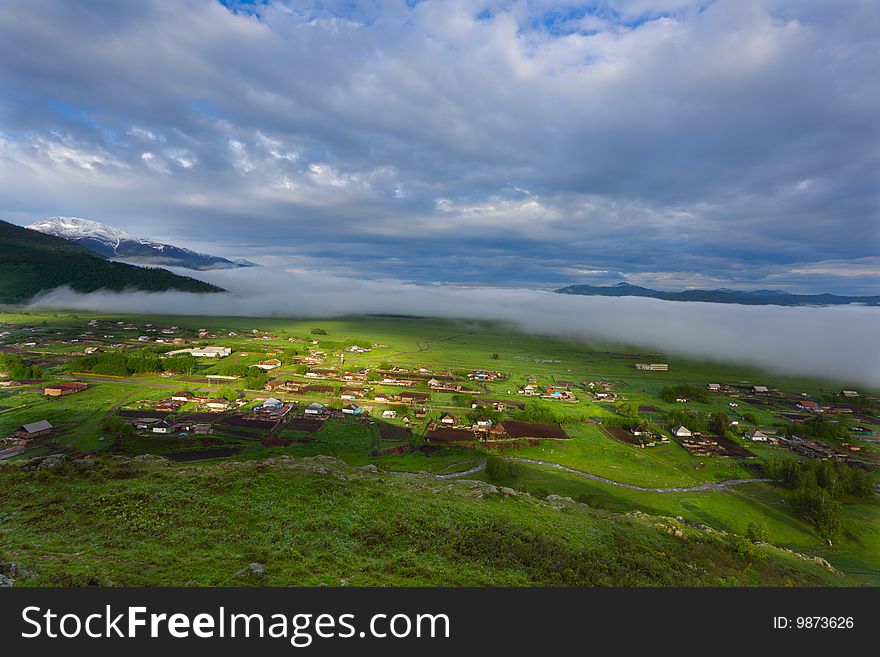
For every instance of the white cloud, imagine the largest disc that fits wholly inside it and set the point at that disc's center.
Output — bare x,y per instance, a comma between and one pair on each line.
840,342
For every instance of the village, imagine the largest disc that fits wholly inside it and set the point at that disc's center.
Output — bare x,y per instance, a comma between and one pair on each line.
283,388
611,427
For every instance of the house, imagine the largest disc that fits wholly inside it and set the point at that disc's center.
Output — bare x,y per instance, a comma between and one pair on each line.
413,397
314,409
352,409
218,404
421,412
434,383
183,397
653,367
484,423
35,429
760,390
406,419
849,393
163,427
389,414
270,364
64,389
446,418
681,431
351,393
807,405
757,435
272,404
713,387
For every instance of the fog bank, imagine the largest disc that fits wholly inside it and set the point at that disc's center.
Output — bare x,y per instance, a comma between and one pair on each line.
841,342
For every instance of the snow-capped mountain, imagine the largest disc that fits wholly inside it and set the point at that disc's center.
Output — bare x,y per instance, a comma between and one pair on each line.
117,244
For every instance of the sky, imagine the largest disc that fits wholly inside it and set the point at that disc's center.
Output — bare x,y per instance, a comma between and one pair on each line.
667,143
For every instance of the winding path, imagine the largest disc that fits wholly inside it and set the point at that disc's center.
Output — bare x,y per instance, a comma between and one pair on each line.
708,486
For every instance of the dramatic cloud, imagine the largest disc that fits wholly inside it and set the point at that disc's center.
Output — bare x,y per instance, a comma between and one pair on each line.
840,342
530,142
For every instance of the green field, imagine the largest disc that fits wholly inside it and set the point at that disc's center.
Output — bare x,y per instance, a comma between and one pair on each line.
50,340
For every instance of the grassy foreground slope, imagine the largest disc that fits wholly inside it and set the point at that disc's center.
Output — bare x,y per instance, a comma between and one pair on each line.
31,262
311,521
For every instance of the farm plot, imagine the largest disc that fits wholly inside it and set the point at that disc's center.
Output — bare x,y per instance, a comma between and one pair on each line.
621,434
247,423
534,430
393,432
303,424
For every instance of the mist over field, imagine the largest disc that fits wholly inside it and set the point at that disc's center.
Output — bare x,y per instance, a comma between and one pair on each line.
840,342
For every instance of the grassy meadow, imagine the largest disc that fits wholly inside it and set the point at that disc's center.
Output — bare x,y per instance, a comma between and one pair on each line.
62,522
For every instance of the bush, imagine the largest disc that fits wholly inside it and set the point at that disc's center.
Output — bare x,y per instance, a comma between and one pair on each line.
756,533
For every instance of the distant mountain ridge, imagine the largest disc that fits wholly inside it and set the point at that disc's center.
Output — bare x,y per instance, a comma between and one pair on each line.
33,262
112,242
723,295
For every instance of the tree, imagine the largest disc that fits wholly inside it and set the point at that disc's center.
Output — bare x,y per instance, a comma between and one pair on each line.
494,356
228,394
756,533
818,505
626,409
498,469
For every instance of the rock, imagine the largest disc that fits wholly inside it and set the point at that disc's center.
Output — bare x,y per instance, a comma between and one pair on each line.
5,582
492,489
53,462
508,491
557,499
14,571
368,468
257,569
150,458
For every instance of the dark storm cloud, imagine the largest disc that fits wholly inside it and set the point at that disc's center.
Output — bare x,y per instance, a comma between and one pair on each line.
511,142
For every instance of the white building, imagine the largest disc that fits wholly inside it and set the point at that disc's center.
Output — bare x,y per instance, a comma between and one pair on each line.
314,409
682,431
203,352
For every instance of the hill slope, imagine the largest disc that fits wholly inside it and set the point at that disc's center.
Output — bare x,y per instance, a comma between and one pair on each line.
316,520
111,242
751,298
31,262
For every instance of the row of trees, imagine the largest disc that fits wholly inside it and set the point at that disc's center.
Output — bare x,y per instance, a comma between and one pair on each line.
818,486
716,423
16,368
683,391
138,362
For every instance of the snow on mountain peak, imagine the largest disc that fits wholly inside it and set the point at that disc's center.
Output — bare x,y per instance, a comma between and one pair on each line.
73,228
